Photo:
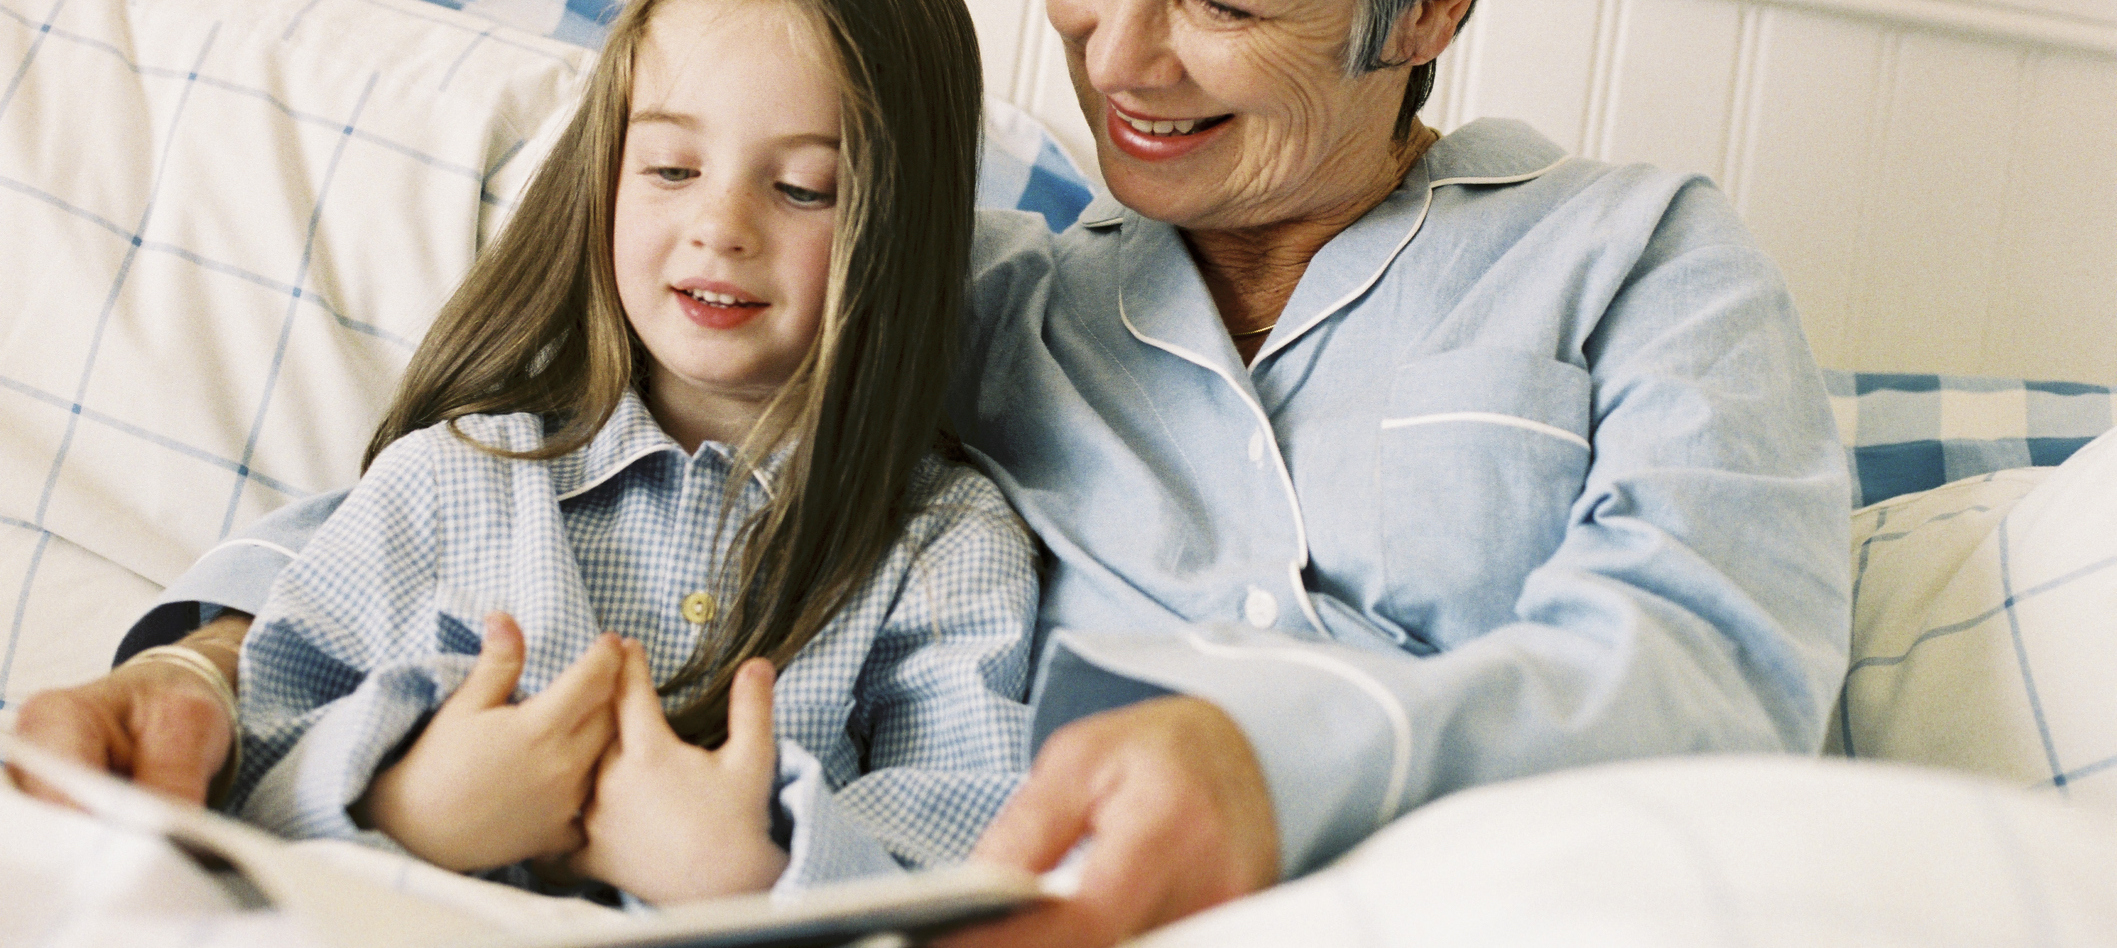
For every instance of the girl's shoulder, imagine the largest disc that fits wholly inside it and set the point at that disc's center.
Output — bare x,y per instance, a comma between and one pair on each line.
518,431
951,497
955,513
464,442
938,482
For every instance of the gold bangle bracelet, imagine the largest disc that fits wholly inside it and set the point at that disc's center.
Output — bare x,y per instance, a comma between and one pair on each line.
198,664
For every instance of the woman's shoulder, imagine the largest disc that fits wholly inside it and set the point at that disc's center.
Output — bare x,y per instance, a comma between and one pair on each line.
1508,162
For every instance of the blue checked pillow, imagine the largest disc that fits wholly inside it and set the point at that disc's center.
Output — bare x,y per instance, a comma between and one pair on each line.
1022,167
1906,433
1982,624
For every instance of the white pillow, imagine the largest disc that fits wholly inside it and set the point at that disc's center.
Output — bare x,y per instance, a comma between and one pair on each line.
228,222
1985,628
1763,852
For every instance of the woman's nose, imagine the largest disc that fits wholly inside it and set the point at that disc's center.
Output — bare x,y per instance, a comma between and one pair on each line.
726,221
1125,44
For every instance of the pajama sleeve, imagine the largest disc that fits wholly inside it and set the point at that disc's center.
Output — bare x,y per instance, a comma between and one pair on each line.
938,718
348,655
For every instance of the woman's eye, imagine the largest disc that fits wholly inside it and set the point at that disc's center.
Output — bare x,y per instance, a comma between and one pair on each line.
803,197
673,175
1221,11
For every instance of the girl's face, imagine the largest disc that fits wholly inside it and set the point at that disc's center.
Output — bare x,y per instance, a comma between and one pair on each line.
724,208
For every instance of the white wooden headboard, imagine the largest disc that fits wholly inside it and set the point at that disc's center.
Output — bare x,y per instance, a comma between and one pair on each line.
1937,177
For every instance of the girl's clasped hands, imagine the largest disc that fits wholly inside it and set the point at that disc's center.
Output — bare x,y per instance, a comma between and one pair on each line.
587,778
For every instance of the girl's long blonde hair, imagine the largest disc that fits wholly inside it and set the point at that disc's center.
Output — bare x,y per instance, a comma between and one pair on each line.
536,325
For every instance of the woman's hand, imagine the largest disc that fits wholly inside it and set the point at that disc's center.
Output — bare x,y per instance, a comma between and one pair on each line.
1173,806
154,722
490,783
672,822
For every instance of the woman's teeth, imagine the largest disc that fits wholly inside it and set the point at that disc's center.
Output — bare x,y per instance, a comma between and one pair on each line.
1178,127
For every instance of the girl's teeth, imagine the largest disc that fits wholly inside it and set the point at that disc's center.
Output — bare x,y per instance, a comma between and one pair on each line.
715,299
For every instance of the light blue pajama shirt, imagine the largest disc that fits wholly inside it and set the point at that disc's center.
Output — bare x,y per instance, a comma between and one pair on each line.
1536,470
901,725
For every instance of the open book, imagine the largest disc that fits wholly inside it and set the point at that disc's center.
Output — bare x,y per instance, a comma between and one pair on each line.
346,908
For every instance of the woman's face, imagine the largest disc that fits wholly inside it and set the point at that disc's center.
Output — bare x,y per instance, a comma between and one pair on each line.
1218,115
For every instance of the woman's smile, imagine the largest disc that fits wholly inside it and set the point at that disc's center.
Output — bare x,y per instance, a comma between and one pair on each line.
1160,139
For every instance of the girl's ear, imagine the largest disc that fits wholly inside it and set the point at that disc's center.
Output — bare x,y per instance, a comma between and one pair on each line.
1424,30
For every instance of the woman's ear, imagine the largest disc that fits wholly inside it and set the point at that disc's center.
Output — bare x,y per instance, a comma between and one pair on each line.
1426,29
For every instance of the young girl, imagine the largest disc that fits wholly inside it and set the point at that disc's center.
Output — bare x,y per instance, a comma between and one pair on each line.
691,396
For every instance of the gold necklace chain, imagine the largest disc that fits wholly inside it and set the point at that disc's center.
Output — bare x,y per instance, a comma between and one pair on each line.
1254,332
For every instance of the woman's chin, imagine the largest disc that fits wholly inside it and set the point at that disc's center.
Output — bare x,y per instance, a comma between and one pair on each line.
1150,190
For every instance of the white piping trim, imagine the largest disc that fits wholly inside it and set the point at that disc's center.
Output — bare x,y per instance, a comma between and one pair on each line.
1491,418
1399,720
1286,477
613,471
1277,342
1308,608
1501,179
246,541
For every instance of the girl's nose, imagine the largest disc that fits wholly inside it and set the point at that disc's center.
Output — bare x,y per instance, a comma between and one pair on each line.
1125,43
726,222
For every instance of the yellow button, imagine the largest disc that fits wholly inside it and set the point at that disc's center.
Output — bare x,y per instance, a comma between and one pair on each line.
699,608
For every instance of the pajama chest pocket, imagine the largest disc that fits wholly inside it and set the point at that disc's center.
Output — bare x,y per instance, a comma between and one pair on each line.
1481,455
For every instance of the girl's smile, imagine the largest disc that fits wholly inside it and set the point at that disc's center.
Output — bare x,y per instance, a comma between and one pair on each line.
717,305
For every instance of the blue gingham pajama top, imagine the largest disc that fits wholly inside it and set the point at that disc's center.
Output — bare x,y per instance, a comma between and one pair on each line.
901,726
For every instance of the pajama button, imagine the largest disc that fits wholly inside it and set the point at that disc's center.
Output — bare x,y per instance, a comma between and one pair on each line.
1260,608
699,608
1257,448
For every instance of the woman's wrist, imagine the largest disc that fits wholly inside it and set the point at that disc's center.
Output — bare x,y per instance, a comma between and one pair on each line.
200,667
221,642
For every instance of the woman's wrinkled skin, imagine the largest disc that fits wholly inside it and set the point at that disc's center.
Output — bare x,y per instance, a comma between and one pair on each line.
1302,149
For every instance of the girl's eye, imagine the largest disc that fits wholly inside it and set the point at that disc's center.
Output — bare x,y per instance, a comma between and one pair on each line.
1221,11
673,175
803,197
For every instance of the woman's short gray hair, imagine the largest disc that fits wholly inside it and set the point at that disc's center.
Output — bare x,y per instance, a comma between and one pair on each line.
1373,20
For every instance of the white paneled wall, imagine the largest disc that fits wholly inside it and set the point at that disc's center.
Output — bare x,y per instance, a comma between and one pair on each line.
1937,177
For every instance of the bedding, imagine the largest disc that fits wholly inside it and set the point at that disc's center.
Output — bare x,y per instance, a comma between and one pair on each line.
228,227
1908,433
1984,633
1708,852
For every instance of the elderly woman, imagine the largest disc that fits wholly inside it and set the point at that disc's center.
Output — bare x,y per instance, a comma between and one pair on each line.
1371,465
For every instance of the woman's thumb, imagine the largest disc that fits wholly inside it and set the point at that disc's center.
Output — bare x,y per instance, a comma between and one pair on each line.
499,666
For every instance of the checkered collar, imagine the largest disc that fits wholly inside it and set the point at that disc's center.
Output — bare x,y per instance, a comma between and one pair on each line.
632,435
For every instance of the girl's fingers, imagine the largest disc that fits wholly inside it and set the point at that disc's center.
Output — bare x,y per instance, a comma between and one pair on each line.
639,710
750,713
566,839
584,690
499,666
